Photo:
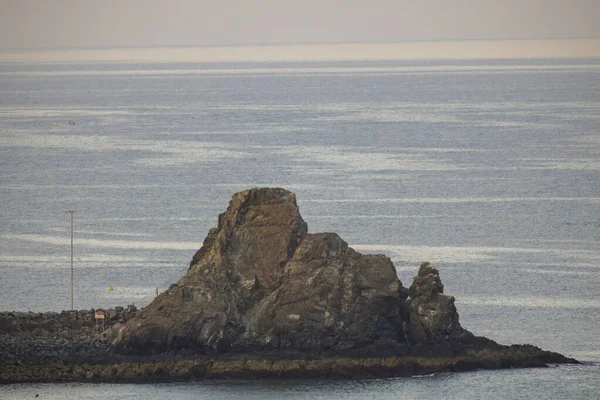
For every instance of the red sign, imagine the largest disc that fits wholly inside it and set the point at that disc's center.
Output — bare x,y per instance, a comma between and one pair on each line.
99,315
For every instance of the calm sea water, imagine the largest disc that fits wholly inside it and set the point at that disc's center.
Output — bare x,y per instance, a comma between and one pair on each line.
489,169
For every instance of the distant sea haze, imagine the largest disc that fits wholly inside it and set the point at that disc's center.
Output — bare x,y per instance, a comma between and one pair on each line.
468,49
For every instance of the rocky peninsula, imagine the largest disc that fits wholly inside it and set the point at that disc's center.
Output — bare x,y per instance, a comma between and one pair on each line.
263,298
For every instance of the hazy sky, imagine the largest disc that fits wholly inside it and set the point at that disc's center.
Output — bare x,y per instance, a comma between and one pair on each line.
101,23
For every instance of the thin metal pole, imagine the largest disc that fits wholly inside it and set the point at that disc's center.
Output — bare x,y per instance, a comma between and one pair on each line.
71,212
72,308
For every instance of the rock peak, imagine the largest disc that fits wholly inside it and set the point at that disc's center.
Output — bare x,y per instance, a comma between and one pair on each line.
260,196
432,315
427,283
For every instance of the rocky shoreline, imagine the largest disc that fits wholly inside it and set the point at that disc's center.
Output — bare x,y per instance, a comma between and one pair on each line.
263,298
35,351
200,368
65,347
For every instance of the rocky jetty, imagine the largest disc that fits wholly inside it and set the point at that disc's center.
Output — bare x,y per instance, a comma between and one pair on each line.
50,337
264,298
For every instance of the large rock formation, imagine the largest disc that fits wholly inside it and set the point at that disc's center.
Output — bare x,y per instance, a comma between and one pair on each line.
279,301
261,282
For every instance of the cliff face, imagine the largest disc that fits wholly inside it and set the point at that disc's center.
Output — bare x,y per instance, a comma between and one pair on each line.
261,282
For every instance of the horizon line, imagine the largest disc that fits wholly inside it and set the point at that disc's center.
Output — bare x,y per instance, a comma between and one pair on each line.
363,51
291,44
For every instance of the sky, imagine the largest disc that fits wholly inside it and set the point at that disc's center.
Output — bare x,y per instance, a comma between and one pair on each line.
46,24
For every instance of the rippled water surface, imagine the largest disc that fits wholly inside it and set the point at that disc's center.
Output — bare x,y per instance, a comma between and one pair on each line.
567,382
491,170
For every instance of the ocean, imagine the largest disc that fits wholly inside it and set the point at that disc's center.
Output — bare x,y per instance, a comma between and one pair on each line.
487,168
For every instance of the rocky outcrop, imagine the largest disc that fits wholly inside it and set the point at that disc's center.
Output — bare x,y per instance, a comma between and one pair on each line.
263,298
261,282
432,315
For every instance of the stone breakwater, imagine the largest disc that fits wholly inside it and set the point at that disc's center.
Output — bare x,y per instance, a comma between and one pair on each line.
50,337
